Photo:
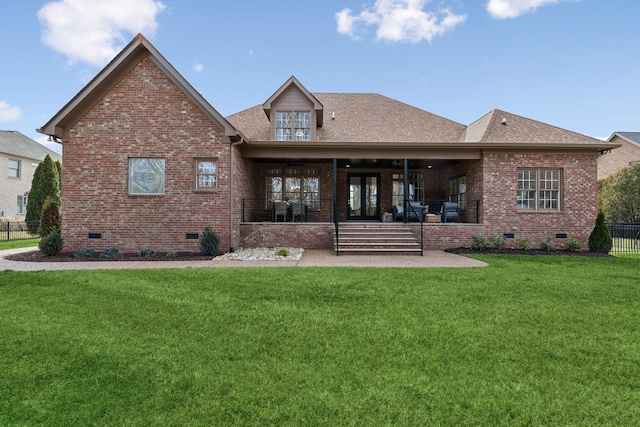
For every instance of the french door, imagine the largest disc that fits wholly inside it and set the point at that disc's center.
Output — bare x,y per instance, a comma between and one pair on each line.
364,197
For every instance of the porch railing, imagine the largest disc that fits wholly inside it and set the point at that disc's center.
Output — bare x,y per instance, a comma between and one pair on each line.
261,210
416,227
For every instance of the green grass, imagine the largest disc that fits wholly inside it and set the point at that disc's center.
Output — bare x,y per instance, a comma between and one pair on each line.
13,244
525,341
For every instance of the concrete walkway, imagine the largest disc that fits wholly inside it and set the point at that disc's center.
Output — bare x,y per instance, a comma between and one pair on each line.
310,258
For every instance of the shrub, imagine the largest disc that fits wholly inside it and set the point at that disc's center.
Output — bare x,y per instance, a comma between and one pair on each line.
170,254
523,243
497,242
283,252
109,253
571,245
84,253
209,242
52,243
50,216
146,252
546,244
479,242
45,183
600,239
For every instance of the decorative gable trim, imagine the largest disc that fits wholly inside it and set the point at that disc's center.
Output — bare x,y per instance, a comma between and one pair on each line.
292,81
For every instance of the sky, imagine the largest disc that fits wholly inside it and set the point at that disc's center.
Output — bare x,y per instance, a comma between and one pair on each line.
574,64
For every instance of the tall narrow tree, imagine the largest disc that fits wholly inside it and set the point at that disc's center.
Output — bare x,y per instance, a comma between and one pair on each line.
45,183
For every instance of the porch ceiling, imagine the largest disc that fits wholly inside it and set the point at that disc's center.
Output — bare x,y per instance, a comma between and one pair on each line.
388,151
363,163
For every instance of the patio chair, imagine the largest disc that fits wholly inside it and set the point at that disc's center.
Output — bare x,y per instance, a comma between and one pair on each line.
280,209
298,209
450,212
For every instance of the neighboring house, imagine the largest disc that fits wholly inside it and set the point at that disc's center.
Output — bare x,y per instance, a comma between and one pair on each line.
19,158
149,163
628,153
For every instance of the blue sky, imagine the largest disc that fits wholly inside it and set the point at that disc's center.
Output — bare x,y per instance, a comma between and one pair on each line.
570,63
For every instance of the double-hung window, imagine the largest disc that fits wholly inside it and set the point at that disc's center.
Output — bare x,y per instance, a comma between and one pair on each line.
458,191
539,189
206,174
293,125
22,204
14,168
294,185
416,188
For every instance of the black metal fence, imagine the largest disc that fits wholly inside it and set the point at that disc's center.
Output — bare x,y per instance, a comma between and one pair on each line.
18,230
626,237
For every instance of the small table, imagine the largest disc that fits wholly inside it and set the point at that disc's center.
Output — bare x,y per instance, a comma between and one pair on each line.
432,218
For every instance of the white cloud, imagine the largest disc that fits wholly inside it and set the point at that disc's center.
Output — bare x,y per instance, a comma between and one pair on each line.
399,21
93,31
9,113
506,9
197,67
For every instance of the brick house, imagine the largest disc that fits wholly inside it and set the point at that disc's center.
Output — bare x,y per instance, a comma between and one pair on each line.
628,153
149,163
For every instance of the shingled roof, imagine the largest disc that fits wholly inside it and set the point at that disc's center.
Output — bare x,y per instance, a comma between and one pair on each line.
502,127
633,137
361,117
16,144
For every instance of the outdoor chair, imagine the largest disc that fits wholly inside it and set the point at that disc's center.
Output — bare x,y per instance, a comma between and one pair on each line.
280,209
450,212
297,209
398,212
414,212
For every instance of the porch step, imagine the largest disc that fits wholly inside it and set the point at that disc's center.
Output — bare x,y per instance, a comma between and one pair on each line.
377,238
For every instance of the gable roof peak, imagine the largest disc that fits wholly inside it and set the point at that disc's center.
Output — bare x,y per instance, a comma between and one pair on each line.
293,81
137,49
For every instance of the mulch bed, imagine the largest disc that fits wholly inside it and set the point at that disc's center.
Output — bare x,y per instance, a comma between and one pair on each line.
37,256
468,251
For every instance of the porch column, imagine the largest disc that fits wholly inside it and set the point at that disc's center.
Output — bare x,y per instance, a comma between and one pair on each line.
335,191
405,190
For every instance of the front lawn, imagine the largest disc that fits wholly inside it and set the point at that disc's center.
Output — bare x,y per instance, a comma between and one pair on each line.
525,341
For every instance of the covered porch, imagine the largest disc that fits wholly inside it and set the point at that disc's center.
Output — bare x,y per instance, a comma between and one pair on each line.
302,199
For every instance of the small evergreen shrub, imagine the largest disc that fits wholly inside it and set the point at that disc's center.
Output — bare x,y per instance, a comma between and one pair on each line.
209,242
600,239
146,252
109,253
479,242
283,252
546,244
49,217
170,254
571,245
523,243
52,243
497,242
84,253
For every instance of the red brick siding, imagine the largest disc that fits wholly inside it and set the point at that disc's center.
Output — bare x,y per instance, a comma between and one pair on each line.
297,235
144,115
578,205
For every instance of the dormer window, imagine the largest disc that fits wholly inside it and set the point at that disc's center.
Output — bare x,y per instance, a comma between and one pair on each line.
294,125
